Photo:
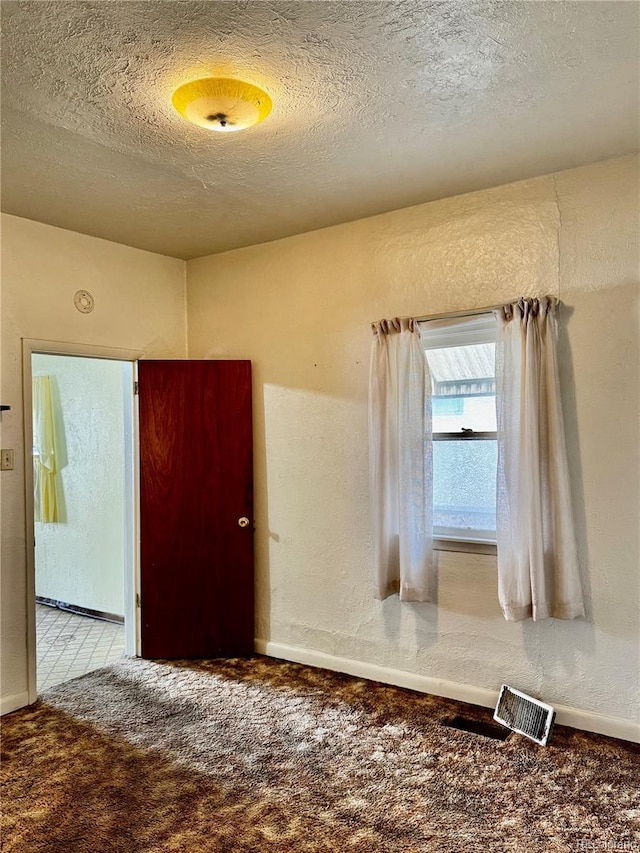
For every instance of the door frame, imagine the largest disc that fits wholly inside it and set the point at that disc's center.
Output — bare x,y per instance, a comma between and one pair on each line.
132,493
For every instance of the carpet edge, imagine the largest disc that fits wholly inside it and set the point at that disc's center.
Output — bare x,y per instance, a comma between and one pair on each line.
566,716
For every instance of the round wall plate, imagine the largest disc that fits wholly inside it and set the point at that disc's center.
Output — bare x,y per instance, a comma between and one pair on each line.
83,301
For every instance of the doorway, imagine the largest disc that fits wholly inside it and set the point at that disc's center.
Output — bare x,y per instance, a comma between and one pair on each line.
188,505
83,574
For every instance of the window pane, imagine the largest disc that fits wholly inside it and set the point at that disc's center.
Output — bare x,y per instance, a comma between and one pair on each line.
447,406
465,374
476,413
464,484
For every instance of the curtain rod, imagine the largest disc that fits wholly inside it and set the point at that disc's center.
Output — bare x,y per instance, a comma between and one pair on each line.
453,314
475,312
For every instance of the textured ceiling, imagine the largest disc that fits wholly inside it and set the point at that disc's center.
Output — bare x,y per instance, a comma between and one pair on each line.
377,105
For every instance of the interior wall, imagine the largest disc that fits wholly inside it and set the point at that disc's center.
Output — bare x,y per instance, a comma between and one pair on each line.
80,558
301,309
139,305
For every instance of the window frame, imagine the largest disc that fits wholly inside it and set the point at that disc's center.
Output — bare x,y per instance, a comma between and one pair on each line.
445,333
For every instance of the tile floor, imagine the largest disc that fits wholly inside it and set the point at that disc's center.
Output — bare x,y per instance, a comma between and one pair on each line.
70,645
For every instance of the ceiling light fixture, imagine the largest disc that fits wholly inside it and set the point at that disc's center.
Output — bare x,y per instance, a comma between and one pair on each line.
221,103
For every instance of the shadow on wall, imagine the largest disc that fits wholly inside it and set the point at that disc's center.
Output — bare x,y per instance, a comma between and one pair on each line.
572,437
423,616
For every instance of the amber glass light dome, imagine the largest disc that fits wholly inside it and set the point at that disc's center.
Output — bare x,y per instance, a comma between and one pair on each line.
222,103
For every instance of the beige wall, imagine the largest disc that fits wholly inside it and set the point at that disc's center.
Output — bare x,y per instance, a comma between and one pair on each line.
139,304
300,308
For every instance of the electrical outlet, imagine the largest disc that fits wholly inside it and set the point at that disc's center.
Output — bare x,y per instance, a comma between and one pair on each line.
6,460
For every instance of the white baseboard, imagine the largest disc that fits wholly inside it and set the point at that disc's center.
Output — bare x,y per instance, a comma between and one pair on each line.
565,716
13,703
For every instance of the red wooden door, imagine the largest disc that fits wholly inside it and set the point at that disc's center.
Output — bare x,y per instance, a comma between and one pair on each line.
196,484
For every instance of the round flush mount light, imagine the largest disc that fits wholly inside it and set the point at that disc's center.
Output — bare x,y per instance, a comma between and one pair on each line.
221,103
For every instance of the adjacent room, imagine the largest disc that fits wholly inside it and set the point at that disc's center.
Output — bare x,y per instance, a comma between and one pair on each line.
320,400
81,427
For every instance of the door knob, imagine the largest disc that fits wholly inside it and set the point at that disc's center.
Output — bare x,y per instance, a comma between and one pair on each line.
244,521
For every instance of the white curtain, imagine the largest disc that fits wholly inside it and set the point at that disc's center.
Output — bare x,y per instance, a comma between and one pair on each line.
44,455
401,468
538,573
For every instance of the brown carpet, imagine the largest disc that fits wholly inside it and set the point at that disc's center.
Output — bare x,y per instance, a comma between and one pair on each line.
262,756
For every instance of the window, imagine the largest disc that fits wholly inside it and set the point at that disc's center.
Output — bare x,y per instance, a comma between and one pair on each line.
461,357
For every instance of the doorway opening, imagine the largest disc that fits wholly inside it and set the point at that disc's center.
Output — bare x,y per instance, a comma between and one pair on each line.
84,561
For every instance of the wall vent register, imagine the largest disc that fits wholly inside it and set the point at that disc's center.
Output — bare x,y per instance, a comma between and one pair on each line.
524,714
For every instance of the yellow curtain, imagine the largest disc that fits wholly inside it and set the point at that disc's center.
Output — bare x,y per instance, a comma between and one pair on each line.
44,452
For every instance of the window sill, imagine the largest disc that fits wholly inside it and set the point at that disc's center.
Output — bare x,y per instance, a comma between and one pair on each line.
468,546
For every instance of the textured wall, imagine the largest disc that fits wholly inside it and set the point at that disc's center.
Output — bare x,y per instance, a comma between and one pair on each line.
301,307
139,305
80,559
